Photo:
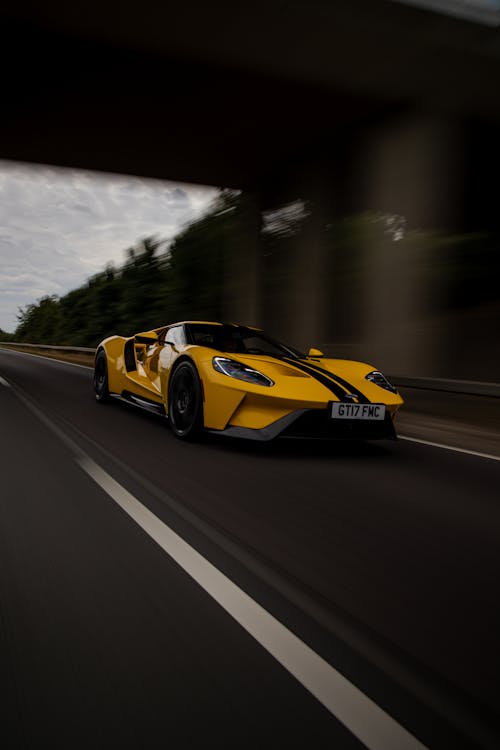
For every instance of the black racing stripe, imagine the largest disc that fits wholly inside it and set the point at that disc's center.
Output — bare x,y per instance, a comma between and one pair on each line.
349,388
327,382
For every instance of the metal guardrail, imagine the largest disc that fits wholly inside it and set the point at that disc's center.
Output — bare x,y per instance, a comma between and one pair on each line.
467,387
84,349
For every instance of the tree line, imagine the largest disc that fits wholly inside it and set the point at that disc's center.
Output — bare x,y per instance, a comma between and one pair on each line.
159,282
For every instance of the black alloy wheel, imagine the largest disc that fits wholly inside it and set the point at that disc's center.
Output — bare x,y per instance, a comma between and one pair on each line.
101,377
185,409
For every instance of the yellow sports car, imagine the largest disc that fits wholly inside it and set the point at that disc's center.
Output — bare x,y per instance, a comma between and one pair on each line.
235,380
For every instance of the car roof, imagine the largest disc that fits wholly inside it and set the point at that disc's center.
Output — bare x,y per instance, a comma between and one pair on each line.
210,323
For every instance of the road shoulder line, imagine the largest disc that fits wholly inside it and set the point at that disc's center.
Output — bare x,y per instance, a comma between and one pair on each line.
449,448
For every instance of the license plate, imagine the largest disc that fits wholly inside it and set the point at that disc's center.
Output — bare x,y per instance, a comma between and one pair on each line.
358,411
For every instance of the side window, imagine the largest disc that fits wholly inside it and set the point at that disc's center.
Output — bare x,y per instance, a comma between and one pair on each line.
175,336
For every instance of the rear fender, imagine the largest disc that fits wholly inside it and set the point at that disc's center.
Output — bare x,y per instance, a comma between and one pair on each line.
114,347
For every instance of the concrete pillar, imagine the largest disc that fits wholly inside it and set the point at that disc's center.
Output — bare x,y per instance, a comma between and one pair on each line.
296,274
411,166
307,308
243,268
409,172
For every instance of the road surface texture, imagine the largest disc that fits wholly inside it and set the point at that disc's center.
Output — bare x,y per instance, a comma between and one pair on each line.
379,562
456,419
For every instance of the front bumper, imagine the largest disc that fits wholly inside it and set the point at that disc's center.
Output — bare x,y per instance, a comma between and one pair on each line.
316,423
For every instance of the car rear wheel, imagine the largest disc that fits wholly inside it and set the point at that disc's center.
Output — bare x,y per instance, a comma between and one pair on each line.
101,377
185,409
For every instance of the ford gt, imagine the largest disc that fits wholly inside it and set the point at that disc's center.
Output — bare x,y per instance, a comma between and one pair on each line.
236,380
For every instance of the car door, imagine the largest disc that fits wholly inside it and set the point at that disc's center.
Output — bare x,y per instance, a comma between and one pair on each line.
173,343
150,362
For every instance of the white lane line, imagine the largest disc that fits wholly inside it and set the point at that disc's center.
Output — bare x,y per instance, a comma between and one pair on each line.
367,721
450,448
4,382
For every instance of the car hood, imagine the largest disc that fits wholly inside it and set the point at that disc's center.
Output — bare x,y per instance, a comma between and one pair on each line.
350,375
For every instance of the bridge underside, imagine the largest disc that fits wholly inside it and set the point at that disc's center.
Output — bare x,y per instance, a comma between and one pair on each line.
230,94
353,105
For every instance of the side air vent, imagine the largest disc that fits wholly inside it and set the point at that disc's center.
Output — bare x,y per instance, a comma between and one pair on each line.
129,354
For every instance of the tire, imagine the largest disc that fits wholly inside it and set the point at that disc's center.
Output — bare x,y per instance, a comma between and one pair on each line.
185,408
101,377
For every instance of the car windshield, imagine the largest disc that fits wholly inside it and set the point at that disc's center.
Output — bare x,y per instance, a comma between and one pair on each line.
238,339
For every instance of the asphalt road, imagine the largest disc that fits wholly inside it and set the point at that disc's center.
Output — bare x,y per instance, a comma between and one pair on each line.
382,558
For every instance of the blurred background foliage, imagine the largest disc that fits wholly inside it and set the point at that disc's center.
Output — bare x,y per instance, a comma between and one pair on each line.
188,278
158,283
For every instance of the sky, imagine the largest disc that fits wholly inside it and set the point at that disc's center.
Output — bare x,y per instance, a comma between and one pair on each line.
60,226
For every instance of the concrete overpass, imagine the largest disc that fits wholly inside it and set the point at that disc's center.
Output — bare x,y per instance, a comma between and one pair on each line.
354,104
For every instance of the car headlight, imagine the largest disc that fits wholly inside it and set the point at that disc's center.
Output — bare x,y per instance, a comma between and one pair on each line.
240,371
379,379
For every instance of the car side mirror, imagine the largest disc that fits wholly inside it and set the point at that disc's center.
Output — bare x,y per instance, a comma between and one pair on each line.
315,353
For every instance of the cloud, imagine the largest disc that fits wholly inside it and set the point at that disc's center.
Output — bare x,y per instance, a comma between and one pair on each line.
60,226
